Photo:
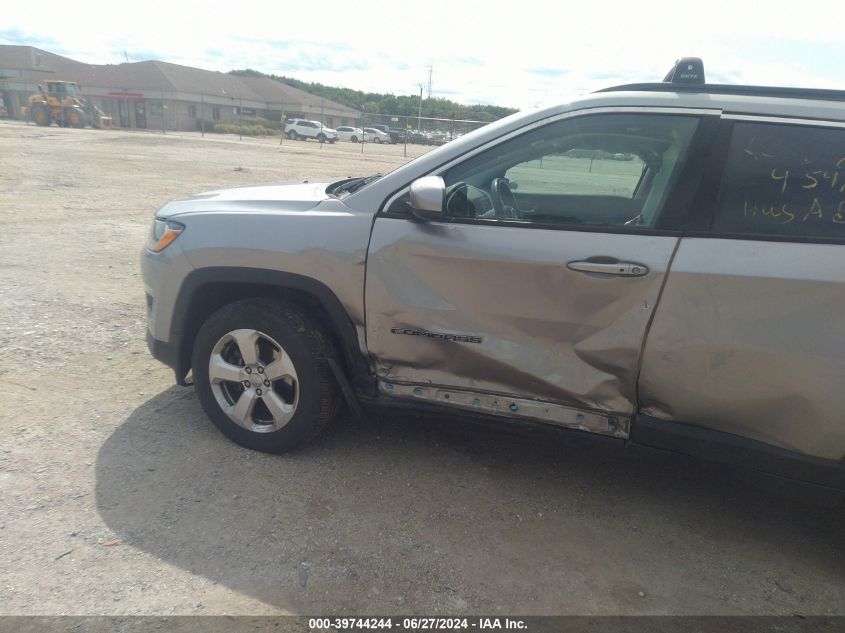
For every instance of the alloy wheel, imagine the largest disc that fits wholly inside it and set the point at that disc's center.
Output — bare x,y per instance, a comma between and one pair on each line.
253,380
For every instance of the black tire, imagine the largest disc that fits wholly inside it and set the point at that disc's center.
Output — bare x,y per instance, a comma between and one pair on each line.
308,348
377,140
40,113
321,137
354,139
74,117
292,135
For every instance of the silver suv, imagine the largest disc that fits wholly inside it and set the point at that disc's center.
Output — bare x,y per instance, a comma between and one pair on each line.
662,264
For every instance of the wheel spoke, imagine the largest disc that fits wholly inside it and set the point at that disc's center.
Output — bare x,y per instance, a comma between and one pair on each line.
281,411
247,341
279,368
221,371
241,412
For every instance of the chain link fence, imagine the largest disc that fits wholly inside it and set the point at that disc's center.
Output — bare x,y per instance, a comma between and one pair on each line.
418,130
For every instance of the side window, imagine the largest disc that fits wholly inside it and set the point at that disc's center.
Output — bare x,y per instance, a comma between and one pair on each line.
580,171
602,170
783,180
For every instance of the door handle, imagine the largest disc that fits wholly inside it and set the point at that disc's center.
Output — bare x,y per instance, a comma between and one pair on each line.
619,269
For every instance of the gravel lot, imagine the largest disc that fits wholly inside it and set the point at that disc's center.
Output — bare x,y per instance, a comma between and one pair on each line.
119,497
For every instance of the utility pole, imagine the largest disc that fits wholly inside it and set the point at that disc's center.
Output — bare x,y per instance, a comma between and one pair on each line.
202,113
419,115
407,127
430,71
322,101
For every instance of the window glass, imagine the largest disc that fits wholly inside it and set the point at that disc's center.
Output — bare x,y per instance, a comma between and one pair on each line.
580,171
784,180
605,170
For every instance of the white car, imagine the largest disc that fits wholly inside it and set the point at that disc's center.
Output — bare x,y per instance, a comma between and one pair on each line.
376,136
304,129
347,133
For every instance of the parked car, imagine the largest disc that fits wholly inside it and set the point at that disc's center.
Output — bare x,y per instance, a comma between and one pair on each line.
438,138
302,129
417,137
689,299
376,136
347,133
396,135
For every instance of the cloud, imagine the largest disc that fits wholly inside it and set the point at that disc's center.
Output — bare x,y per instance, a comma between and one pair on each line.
16,36
533,54
547,72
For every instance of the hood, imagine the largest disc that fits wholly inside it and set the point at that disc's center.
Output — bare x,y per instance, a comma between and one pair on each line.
284,197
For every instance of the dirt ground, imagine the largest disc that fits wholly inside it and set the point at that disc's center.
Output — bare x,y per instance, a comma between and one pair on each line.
119,497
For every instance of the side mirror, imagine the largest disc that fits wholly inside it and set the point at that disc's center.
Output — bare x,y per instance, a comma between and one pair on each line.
427,197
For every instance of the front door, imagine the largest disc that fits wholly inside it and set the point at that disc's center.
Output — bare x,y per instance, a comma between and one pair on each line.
532,296
140,115
123,113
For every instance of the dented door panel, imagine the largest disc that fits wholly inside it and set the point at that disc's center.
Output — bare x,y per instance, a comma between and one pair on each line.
494,309
749,339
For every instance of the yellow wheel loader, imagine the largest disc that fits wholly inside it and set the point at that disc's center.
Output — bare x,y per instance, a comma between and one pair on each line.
60,102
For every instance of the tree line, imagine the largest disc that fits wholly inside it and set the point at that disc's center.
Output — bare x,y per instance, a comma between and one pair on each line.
378,103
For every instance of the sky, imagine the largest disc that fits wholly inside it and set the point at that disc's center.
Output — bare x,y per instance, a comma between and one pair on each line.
520,54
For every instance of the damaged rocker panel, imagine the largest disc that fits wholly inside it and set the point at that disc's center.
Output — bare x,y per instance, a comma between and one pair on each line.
550,413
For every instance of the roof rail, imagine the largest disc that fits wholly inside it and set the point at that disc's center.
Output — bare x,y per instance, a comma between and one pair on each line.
687,75
734,89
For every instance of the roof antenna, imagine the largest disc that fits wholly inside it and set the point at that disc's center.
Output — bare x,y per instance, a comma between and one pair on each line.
687,70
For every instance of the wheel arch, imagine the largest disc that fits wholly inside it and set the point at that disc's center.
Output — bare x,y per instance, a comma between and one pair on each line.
208,289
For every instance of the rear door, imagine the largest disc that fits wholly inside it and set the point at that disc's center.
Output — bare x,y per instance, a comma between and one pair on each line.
535,312
749,338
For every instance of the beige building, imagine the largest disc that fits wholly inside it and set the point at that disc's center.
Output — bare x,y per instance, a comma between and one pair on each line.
160,95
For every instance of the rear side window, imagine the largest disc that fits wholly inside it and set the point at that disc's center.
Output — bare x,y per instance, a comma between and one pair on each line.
783,180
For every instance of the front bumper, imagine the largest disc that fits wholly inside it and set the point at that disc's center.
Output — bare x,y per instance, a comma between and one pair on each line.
166,353
171,355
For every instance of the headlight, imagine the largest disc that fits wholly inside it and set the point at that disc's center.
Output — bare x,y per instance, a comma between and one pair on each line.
163,233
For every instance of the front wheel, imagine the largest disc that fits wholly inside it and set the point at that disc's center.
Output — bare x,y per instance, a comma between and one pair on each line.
40,114
321,138
354,139
377,140
261,374
75,118
292,135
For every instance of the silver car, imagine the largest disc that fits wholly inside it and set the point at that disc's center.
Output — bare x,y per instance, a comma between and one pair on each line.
348,133
376,136
689,295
